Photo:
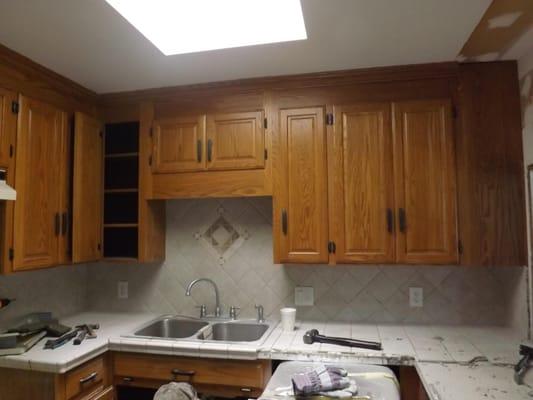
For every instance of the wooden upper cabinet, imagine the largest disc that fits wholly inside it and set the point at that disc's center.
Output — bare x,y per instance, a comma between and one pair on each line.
8,123
179,144
362,183
41,137
87,193
425,182
301,203
235,141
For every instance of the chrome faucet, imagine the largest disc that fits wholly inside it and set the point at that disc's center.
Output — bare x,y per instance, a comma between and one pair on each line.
217,297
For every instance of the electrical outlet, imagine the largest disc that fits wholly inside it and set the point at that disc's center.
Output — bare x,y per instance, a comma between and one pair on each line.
416,297
304,296
122,289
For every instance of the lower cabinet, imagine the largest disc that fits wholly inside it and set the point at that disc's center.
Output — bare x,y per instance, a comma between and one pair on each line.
214,377
89,381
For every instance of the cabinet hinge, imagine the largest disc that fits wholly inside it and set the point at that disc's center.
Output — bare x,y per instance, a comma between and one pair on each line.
332,247
11,150
11,254
265,123
150,161
266,154
329,119
455,113
460,246
15,107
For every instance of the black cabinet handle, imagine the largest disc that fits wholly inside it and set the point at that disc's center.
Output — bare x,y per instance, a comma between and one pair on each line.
390,220
64,223
209,150
199,150
402,219
284,221
57,221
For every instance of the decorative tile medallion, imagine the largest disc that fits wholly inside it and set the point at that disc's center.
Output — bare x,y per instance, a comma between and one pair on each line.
222,237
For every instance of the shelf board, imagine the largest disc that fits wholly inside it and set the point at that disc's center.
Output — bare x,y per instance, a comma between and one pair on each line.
132,225
132,190
122,155
120,259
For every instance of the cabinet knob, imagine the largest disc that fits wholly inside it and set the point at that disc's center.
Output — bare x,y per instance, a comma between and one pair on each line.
199,150
209,150
390,220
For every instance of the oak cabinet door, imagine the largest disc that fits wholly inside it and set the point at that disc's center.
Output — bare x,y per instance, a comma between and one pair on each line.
235,141
8,123
362,183
301,204
87,193
179,144
425,182
37,221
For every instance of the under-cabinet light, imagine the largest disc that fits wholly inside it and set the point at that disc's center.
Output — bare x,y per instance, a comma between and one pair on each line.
189,26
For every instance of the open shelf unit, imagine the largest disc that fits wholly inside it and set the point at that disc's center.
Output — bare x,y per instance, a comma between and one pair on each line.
121,191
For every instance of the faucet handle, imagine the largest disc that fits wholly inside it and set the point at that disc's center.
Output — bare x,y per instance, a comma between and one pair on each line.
203,310
233,312
260,311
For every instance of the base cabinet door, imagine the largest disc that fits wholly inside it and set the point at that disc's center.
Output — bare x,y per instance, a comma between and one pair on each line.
87,192
235,141
40,206
361,179
300,204
425,182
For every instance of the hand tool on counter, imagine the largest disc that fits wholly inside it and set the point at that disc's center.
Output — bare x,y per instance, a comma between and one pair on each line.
60,341
313,336
520,369
85,331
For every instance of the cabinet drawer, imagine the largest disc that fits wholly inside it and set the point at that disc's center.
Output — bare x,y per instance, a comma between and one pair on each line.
86,378
107,394
199,372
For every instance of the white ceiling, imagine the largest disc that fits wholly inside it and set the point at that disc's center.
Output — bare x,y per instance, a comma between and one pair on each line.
88,42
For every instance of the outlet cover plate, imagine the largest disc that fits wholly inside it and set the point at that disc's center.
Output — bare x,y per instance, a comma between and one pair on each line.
416,297
122,290
304,296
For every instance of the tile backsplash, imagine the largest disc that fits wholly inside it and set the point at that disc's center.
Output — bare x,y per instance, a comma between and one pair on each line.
61,290
230,241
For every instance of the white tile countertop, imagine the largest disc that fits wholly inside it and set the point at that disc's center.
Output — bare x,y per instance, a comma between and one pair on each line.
448,359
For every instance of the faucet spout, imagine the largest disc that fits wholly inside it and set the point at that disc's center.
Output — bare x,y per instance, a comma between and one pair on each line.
217,297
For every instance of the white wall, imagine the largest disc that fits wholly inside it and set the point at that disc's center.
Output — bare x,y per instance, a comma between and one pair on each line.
525,71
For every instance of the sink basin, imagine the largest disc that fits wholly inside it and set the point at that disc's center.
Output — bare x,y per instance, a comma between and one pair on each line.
234,332
171,328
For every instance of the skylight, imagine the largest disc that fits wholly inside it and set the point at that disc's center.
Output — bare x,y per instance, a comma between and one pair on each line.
190,26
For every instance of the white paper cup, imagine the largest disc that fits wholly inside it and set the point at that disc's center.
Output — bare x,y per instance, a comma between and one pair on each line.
288,318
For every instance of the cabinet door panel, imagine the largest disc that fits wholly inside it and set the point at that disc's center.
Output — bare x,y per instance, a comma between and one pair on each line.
302,203
87,189
8,122
179,144
37,209
425,182
235,141
363,184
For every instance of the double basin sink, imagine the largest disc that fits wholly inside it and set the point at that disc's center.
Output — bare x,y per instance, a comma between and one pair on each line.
216,330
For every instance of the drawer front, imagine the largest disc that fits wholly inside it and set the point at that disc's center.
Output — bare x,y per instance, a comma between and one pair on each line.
197,371
86,378
107,394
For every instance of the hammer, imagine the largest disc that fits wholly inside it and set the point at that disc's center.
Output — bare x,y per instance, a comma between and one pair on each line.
313,336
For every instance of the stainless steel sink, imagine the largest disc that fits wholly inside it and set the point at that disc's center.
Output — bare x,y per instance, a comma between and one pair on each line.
234,332
201,330
171,328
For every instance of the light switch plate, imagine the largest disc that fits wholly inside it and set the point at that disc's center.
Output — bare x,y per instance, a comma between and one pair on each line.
416,297
122,289
304,296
